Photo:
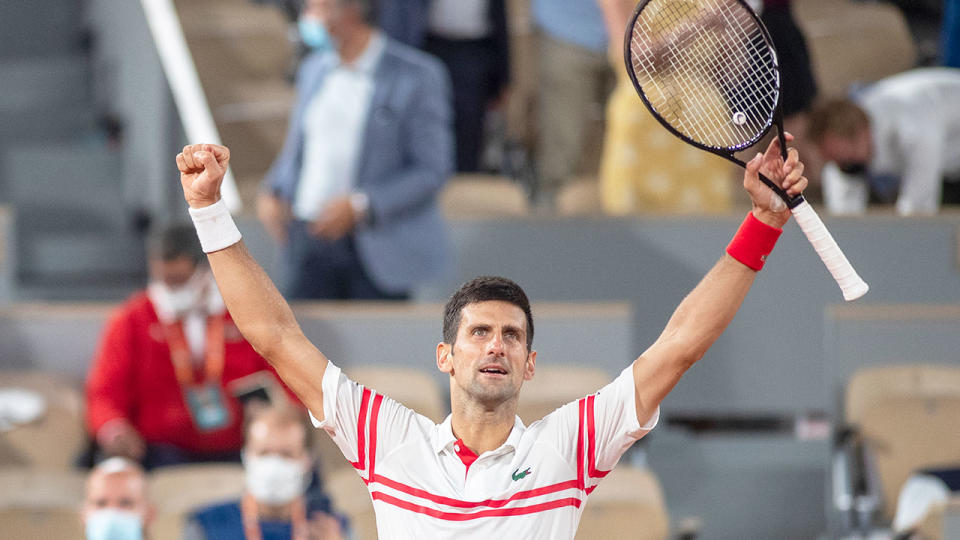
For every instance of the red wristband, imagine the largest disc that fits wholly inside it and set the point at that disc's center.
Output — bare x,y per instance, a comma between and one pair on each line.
753,242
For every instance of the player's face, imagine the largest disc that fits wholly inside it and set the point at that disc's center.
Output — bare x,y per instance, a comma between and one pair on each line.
489,360
124,491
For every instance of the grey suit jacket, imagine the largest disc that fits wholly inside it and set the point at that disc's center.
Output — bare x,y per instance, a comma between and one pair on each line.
405,158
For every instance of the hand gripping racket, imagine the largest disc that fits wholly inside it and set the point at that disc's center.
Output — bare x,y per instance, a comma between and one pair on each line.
707,70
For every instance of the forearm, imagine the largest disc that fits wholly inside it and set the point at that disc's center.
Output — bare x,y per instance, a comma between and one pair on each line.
695,325
256,306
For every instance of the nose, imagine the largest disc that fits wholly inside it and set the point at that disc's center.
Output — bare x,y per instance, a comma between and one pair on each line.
495,345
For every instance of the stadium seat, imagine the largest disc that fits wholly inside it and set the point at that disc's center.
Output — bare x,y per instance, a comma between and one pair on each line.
854,42
903,418
350,496
178,491
41,524
554,386
28,487
56,439
627,505
482,196
580,197
413,387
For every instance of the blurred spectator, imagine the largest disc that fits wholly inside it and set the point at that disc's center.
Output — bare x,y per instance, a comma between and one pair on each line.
644,168
950,34
404,20
470,37
574,79
352,196
115,505
283,498
157,392
798,86
896,142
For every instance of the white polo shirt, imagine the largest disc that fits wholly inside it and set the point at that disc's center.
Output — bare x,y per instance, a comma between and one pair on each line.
534,486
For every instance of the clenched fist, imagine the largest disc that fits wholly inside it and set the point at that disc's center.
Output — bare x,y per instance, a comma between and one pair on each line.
202,167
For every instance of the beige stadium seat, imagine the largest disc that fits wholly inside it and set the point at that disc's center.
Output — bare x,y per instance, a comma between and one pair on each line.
627,505
350,496
909,418
57,438
477,196
27,487
184,488
854,42
554,386
415,388
580,198
41,524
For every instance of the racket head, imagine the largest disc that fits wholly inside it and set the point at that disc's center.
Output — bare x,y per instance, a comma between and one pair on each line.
707,70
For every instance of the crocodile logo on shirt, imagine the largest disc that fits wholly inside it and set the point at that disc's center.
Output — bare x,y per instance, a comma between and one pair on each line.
517,475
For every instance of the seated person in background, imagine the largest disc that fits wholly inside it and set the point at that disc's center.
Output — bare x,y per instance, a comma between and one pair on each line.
897,141
283,498
115,506
158,391
920,494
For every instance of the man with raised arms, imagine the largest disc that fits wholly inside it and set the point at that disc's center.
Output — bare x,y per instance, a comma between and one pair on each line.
482,473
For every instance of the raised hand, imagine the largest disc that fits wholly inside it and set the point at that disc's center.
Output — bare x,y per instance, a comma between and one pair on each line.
202,167
767,205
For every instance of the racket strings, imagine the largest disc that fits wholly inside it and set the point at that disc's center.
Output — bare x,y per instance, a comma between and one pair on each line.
706,69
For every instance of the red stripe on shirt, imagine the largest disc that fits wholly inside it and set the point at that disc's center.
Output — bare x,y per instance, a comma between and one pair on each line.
373,434
580,480
361,431
492,503
454,516
592,435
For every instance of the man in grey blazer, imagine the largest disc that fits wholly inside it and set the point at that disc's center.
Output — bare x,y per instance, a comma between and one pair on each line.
352,195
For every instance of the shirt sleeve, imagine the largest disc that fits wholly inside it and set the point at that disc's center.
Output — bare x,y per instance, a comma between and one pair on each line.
594,431
612,425
363,423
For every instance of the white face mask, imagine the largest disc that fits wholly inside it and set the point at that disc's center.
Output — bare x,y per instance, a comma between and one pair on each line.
274,480
113,524
184,298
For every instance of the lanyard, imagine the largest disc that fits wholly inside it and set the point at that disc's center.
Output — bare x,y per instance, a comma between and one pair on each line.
180,351
251,521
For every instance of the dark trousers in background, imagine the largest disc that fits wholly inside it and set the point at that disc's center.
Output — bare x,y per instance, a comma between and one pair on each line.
321,270
471,66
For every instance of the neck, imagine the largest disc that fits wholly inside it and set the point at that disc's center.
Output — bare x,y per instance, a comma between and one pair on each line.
481,428
269,512
354,44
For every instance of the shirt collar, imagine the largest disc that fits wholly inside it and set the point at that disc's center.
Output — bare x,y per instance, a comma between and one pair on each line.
443,437
368,59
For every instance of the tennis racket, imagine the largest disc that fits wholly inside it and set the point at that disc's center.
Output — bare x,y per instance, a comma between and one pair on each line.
708,71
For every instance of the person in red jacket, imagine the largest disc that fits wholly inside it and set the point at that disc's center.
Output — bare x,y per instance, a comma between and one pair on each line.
162,386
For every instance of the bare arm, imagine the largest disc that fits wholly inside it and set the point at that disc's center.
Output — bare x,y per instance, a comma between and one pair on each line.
705,313
260,312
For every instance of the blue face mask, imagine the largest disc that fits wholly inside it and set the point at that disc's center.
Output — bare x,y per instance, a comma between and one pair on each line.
111,524
314,34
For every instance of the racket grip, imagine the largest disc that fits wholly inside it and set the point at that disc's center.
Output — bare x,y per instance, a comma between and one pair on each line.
850,283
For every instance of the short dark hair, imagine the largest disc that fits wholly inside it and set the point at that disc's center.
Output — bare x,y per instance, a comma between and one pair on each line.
367,9
174,240
483,289
840,116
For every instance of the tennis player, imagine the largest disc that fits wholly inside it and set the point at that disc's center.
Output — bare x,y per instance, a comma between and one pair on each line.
482,473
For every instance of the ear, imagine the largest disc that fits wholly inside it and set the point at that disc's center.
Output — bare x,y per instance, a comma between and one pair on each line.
530,366
444,362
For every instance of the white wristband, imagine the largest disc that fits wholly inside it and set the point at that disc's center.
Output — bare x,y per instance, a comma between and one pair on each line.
215,227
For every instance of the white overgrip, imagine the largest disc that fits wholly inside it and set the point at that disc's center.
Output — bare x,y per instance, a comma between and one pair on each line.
850,283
